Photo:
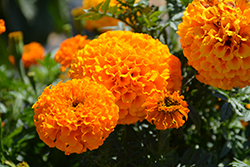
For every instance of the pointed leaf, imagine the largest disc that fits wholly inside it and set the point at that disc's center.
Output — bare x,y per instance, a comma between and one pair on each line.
98,6
203,159
186,156
222,97
105,6
195,117
226,111
195,156
226,148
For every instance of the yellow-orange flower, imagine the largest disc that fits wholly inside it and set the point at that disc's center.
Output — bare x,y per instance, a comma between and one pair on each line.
132,66
215,35
68,48
166,110
2,26
31,53
75,116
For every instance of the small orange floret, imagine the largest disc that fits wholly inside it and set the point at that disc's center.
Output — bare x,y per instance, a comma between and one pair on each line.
75,116
166,110
216,41
132,66
2,26
12,60
68,48
31,53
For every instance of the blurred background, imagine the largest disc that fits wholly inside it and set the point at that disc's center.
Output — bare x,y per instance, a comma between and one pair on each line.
39,20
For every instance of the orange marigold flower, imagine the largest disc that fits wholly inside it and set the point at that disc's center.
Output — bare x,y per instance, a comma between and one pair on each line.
75,116
215,35
132,66
166,110
2,26
68,48
31,53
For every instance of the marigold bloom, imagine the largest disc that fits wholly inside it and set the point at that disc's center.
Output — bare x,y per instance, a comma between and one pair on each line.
68,48
216,41
75,116
166,110
132,66
31,53
2,26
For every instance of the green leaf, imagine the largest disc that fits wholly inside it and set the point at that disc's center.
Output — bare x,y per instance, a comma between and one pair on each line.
105,6
96,16
113,9
9,139
222,97
173,25
203,159
195,156
226,111
155,14
185,2
98,6
247,116
226,148
3,109
195,117
186,156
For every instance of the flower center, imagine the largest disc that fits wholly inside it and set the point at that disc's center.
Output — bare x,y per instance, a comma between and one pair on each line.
75,103
170,102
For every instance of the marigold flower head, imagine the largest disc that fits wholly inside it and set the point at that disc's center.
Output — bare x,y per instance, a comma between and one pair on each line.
2,26
216,41
166,110
132,66
68,48
31,53
75,116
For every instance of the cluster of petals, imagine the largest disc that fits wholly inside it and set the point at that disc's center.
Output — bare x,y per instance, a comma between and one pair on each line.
75,116
32,52
166,110
215,35
68,48
132,66
2,26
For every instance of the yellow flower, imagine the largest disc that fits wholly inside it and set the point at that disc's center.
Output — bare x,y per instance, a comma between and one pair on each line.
75,116
166,110
215,35
31,53
132,66
2,26
23,164
68,48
